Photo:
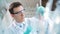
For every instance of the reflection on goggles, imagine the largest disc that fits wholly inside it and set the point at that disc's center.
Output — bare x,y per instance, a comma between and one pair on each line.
19,11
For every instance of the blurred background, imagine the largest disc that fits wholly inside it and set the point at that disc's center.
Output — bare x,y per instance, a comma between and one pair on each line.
30,5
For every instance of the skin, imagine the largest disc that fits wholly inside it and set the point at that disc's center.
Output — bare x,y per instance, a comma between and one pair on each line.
20,16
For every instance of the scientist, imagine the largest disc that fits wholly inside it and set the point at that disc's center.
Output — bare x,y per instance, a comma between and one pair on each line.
38,19
39,23
20,25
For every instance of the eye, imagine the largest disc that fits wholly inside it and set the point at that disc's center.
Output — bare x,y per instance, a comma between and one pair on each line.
16,13
20,11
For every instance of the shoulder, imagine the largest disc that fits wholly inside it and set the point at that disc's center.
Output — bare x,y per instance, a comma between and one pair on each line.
10,29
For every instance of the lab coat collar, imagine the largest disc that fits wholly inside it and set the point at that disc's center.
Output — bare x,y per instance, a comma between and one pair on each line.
16,23
17,26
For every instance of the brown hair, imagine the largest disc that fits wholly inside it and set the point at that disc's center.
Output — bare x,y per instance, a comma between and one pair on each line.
14,5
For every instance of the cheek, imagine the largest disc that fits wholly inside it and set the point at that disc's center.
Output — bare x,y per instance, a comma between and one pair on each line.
19,17
16,17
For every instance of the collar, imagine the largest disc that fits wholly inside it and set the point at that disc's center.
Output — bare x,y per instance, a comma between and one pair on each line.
19,26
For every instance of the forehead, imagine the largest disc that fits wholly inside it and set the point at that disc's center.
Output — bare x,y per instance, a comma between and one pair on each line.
19,8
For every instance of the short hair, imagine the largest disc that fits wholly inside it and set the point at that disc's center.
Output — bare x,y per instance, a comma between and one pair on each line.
14,5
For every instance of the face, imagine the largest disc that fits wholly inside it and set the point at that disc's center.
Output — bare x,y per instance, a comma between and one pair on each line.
19,14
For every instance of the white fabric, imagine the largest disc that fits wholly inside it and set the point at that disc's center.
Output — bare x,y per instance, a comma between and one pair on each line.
15,29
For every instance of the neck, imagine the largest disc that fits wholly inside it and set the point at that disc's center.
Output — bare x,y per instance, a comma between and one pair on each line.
19,21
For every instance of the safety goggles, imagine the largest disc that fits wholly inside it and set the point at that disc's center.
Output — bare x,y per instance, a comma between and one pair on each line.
19,12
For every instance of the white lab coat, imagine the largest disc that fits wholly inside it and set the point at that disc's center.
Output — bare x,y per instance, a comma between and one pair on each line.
50,26
56,28
38,26
14,29
44,27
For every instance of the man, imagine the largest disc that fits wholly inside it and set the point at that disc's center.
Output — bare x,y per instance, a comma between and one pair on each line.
20,25
38,20
41,24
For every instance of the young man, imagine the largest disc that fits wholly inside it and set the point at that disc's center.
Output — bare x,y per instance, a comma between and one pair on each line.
41,24
38,20
20,24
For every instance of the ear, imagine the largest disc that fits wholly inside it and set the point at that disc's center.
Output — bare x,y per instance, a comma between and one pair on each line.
12,15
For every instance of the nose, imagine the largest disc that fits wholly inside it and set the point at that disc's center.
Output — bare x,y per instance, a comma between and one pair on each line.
22,14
